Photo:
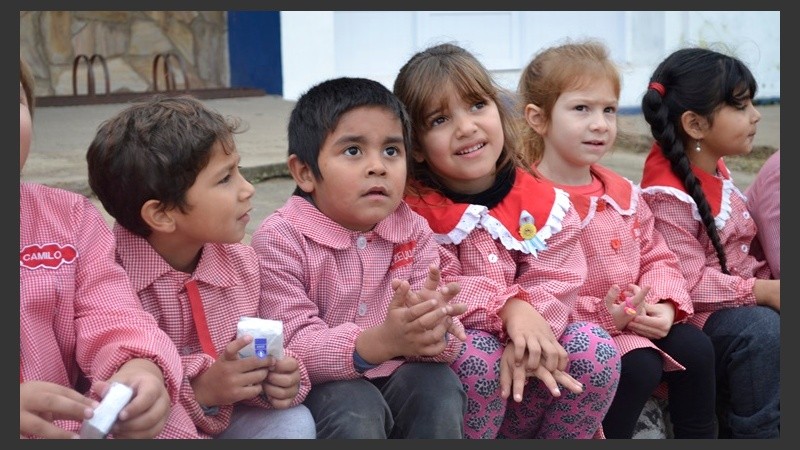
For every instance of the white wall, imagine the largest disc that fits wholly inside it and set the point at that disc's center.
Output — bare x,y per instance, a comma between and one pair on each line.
375,44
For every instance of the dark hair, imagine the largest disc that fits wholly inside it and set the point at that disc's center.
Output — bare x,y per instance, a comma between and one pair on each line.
317,112
698,80
422,81
26,78
555,70
154,149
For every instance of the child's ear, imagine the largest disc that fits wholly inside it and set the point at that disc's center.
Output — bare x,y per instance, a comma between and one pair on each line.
535,118
302,174
694,125
156,217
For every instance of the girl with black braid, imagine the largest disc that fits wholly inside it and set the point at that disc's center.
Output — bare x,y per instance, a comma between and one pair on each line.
699,105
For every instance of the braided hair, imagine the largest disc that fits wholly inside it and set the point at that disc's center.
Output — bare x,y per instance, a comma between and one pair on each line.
698,80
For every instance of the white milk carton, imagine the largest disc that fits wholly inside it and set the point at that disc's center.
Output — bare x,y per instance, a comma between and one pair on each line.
267,337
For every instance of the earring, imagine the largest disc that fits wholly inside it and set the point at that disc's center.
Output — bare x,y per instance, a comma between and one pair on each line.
697,147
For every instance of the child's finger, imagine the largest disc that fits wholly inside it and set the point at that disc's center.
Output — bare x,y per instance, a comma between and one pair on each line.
612,296
569,383
231,352
433,279
426,314
546,377
450,290
401,289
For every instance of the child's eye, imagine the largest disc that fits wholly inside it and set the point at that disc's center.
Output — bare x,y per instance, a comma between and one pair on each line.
437,121
225,179
479,105
610,110
352,151
392,151
581,108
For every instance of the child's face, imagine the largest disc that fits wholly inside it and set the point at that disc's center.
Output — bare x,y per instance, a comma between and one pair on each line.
25,128
462,143
583,126
219,202
363,167
732,131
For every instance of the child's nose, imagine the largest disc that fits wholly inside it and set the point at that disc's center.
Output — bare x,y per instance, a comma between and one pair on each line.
376,165
247,189
599,122
465,126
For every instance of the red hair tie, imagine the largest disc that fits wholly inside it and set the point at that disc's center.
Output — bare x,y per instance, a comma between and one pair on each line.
658,87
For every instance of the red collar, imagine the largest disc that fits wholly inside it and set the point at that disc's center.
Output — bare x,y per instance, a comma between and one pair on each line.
533,205
535,195
617,192
658,172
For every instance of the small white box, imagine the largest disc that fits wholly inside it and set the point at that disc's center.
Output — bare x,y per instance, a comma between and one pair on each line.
267,337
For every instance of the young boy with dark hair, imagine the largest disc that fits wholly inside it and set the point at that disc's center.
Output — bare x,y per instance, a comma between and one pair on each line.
81,326
167,170
353,273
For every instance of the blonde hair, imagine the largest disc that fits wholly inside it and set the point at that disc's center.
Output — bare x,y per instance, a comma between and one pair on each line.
553,71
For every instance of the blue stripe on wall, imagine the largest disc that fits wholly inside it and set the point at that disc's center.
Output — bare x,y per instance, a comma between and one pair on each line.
254,48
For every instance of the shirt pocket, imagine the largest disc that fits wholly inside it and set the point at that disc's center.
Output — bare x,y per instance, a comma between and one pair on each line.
44,291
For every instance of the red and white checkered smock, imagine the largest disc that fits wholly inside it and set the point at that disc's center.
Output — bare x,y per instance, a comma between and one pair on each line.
764,203
622,246
78,312
544,268
328,283
229,283
679,222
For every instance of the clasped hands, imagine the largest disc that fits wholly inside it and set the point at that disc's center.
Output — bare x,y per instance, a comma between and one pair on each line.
631,313
418,322
532,351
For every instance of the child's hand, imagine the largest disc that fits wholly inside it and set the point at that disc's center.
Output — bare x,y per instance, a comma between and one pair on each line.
417,330
146,414
444,295
532,336
656,322
624,306
42,402
283,382
231,378
513,377
768,293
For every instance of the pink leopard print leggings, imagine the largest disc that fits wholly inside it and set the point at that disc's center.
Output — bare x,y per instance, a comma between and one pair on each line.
594,360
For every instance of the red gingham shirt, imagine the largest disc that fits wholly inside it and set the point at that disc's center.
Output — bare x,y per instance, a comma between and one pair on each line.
328,283
78,312
623,247
228,280
764,203
679,222
494,261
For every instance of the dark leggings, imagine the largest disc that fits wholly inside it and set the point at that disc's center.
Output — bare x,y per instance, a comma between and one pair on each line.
692,393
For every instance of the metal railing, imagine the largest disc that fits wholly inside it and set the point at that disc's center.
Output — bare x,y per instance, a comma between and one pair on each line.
168,72
90,80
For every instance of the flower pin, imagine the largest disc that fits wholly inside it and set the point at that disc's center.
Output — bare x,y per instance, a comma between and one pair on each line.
527,230
526,227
